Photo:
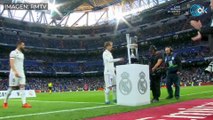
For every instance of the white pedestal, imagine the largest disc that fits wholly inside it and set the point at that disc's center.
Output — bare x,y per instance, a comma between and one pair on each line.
133,85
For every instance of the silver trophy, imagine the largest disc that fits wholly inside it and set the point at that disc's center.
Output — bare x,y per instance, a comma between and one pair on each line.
132,48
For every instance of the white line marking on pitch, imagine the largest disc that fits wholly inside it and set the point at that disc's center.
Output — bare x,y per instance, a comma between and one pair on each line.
100,102
62,102
52,112
77,109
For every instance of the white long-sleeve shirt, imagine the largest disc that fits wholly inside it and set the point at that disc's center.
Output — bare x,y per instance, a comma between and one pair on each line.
108,60
18,57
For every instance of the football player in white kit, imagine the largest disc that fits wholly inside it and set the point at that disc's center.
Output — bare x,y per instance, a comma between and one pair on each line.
109,72
17,77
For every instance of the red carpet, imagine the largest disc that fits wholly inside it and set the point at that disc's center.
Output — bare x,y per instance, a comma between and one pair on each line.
191,110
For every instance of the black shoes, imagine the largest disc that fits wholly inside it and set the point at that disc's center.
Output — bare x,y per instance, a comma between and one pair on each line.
177,97
169,97
107,103
155,100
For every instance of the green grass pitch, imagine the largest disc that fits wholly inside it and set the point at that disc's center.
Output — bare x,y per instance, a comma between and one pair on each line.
82,105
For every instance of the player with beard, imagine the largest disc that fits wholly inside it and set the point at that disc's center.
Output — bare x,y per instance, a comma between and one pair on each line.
17,77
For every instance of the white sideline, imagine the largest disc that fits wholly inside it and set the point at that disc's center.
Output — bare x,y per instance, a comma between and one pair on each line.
101,103
98,102
59,111
77,109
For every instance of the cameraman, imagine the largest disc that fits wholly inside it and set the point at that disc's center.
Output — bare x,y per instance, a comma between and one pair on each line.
155,63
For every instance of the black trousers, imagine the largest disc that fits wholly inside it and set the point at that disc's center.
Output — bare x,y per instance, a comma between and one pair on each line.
173,79
155,86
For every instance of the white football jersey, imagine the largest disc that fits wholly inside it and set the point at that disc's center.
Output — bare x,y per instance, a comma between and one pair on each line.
108,60
18,57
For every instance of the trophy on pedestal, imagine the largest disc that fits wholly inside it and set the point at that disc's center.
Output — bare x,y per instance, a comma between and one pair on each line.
133,84
132,49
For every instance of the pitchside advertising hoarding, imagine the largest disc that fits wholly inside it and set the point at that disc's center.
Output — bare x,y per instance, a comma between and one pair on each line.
17,94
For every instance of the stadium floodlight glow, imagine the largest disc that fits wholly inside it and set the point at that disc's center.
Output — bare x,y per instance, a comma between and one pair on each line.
54,8
118,17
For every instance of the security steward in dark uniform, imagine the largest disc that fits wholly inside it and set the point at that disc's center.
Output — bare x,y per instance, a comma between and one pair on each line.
173,66
156,60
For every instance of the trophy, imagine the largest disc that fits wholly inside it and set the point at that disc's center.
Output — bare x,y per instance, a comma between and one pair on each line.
132,49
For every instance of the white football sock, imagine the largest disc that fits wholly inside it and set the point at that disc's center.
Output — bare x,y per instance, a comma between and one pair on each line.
114,93
23,95
8,95
107,91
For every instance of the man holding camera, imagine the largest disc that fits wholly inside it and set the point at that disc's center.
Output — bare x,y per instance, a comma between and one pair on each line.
155,63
